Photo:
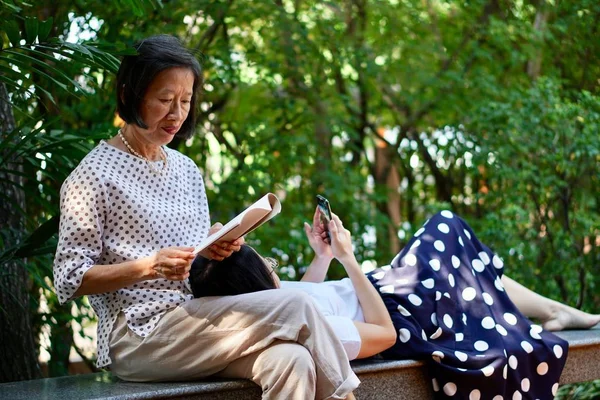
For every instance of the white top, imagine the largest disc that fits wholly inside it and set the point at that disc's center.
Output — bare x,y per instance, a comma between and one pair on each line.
338,302
115,209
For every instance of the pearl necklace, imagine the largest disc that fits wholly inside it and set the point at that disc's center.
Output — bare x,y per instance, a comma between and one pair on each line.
163,156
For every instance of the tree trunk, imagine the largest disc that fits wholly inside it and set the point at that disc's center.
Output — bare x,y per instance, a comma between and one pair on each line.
534,65
17,344
386,175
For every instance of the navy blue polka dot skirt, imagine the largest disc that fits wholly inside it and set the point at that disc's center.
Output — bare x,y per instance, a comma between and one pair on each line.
449,307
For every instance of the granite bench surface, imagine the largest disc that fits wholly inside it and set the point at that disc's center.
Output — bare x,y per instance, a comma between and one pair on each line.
405,379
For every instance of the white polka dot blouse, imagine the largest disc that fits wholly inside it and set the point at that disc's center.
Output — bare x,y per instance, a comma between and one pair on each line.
115,209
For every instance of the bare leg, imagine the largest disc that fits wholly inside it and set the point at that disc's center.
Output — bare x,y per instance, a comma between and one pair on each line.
554,316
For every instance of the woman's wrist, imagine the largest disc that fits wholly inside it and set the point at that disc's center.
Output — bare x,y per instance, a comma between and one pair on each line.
145,268
348,260
326,258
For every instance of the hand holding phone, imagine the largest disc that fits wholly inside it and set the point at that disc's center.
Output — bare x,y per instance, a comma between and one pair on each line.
325,213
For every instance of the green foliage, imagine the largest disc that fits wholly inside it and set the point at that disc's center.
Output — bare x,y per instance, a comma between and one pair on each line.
540,153
582,391
391,109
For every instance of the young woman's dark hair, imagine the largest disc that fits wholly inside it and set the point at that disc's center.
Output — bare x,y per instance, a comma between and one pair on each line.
242,272
154,55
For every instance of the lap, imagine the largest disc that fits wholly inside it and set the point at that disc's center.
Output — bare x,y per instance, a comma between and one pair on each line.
242,310
202,336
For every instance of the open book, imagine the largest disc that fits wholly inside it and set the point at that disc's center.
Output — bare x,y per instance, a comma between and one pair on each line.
248,220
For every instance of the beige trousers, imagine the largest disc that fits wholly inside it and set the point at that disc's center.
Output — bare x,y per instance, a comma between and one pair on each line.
276,338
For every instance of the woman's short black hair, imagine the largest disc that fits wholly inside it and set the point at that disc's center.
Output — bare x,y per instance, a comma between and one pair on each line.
154,55
242,272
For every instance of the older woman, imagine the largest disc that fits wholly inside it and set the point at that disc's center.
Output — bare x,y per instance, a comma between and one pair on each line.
131,213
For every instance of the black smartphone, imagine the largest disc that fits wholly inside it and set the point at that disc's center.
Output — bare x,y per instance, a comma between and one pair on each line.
325,211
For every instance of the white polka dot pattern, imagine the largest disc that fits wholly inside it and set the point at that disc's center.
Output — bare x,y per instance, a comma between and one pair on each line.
558,351
455,261
535,331
450,388
404,335
488,370
481,345
379,275
416,244
527,346
489,300
488,323
113,209
428,283
525,385
517,395
413,298
542,369
449,285
439,246
444,228
501,330
410,259
469,294
436,334
461,355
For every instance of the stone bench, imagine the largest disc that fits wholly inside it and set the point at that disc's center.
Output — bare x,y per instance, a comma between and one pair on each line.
406,379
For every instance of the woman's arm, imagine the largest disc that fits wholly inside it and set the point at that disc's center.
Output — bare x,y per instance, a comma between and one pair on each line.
171,263
377,333
317,270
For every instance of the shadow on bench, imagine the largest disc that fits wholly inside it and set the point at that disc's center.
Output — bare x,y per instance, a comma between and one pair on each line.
405,379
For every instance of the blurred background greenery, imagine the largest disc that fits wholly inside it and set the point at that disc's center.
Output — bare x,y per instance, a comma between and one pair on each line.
393,109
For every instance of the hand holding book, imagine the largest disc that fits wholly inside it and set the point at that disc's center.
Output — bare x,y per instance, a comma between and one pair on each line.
221,250
248,220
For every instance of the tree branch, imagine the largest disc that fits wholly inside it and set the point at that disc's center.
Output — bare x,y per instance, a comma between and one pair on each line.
209,35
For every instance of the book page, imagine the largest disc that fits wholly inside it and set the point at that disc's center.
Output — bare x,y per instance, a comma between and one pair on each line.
245,222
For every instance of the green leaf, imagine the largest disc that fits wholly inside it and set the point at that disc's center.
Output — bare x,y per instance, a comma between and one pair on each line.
22,143
24,59
7,139
78,48
34,244
51,78
31,29
15,84
38,237
12,31
11,7
10,72
44,29
108,62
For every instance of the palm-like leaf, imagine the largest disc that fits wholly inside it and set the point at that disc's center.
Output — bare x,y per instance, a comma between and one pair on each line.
48,58
30,52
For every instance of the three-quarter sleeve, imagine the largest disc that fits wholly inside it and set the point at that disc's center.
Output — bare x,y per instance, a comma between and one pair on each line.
82,210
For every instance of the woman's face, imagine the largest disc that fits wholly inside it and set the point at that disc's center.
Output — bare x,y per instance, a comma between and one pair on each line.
166,105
